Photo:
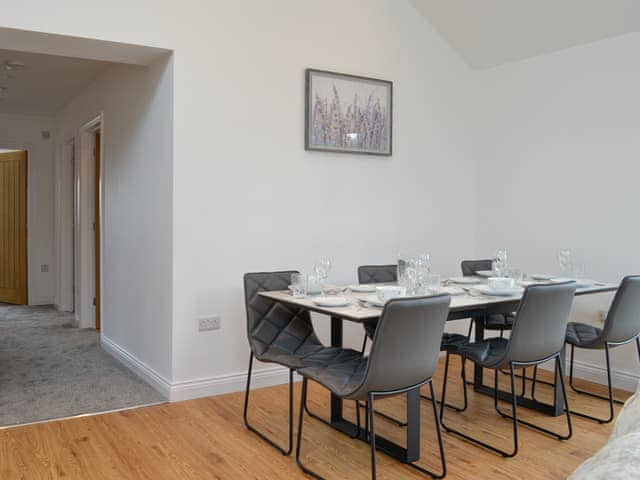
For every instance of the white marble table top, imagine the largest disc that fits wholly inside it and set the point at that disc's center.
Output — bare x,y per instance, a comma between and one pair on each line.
359,311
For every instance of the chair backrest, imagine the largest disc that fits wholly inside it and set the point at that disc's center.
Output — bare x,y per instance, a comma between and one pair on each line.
470,267
540,325
406,344
623,320
377,274
268,321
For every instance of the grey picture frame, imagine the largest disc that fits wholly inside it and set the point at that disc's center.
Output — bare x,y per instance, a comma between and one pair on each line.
311,145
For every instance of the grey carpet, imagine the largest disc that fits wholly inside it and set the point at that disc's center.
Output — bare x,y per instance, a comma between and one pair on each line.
49,369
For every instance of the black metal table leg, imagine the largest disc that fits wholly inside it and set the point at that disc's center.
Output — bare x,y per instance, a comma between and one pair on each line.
336,341
478,372
413,425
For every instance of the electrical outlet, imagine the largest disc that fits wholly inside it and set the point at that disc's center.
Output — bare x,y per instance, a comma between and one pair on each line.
44,268
209,323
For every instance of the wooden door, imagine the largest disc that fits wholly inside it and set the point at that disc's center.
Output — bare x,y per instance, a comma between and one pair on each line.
96,226
13,227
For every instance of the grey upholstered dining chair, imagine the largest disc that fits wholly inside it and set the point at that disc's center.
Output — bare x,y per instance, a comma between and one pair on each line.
403,357
280,334
621,326
538,336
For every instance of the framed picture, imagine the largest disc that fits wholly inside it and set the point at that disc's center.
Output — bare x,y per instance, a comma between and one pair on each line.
347,113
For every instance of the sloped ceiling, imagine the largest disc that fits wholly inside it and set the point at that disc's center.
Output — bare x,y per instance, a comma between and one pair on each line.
488,33
46,82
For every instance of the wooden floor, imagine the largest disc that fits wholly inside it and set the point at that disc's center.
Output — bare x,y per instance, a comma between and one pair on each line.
206,439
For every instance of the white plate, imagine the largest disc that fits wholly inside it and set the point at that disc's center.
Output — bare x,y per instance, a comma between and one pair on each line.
464,280
512,292
363,287
486,273
580,282
526,283
541,276
331,301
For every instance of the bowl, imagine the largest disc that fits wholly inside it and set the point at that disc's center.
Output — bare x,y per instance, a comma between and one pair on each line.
387,292
499,284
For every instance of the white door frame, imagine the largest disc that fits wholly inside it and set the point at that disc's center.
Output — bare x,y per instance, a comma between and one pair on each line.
84,223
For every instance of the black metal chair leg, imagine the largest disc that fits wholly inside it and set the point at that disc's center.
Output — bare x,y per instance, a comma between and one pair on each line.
475,440
610,398
558,368
463,374
535,381
303,401
246,412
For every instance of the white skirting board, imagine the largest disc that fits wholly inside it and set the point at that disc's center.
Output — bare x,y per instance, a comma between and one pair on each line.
144,371
264,377
598,374
204,387
234,382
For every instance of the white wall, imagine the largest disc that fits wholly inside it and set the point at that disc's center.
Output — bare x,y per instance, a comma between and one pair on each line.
559,148
25,132
249,198
245,189
136,103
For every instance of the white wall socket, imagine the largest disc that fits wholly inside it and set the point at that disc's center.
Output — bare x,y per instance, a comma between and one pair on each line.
209,323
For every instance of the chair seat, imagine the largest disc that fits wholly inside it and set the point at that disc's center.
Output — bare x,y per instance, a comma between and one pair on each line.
583,335
341,370
291,359
452,342
499,321
486,352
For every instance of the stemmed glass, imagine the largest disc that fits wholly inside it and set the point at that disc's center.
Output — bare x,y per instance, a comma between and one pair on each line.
322,268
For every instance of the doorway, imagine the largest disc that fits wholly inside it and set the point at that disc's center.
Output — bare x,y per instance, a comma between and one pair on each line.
88,223
13,227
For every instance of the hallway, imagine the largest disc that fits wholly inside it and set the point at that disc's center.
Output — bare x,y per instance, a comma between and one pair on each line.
50,369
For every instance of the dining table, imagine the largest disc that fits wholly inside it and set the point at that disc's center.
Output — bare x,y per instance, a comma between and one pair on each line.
466,303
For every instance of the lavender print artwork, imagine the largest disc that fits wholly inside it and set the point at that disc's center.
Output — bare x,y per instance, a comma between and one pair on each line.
346,113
